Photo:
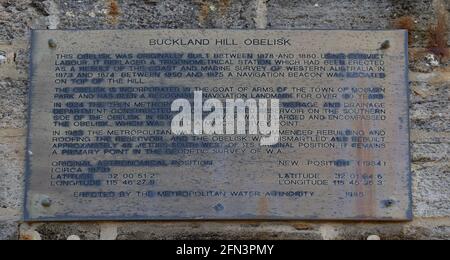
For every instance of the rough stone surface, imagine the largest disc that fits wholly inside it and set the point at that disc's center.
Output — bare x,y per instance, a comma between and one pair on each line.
431,189
229,231
62,231
430,114
156,14
348,14
8,230
12,146
13,101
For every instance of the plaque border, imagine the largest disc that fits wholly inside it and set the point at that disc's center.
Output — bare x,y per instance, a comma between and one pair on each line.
26,216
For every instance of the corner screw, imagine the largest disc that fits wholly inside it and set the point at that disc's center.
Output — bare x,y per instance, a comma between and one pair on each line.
385,45
219,207
52,44
47,202
389,203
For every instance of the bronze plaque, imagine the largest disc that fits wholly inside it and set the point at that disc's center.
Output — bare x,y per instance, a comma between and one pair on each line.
218,124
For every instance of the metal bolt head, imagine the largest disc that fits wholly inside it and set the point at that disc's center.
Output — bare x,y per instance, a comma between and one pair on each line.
52,43
388,203
385,45
219,207
46,202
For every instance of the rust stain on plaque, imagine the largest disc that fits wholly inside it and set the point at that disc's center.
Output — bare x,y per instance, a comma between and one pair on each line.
366,204
263,207
103,104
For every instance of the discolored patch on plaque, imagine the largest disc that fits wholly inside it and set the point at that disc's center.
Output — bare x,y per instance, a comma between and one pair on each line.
102,142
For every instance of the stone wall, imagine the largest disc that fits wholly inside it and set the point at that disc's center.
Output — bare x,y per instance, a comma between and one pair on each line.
430,108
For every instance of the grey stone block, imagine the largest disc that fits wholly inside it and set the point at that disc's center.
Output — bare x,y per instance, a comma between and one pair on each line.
16,19
62,231
392,231
12,163
218,231
8,230
13,103
348,14
431,116
430,152
423,92
140,14
431,189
